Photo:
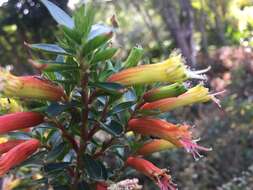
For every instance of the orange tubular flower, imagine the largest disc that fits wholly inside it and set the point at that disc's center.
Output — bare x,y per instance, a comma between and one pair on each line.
29,87
171,70
159,176
196,94
155,145
180,136
17,155
20,120
5,147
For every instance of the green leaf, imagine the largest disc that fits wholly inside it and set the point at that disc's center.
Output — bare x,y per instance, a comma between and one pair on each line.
59,67
109,87
83,18
96,42
114,128
58,14
134,57
51,167
94,168
83,186
121,107
55,109
20,135
104,55
57,151
50,48
36,159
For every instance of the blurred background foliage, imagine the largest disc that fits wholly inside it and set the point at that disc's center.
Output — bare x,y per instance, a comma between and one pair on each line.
208,32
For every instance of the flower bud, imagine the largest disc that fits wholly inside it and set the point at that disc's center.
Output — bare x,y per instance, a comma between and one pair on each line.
153,146
196,94
6,146
17,155
20,120
29,87
159,176
164,92
134,57
171,70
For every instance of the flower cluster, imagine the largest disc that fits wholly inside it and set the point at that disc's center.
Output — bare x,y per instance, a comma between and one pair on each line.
77,94
161,100
14,152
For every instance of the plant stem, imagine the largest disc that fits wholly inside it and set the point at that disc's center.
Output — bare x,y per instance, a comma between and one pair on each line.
66,135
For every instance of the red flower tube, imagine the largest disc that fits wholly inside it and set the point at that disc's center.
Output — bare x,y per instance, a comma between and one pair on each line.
180,136
159,176
17,155
19,120
101,186
171,70
29,87
5,147
155,145
196,94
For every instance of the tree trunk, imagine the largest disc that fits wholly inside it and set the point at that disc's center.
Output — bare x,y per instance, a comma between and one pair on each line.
180,24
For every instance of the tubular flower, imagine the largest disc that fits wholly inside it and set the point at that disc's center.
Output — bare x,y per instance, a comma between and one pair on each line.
196,94
8,105
17,155
153,146
101,186
29,87
171,70
164,92
20,120
159,176
180,136
5,147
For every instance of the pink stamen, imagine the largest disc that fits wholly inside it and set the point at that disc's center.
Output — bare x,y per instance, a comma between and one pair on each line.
192,147
166,184
216,100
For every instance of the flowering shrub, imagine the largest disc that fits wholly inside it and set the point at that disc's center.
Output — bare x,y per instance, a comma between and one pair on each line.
88,118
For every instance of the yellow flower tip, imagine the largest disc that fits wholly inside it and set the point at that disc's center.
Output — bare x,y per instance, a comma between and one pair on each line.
171,70
9,105
177,67
30,87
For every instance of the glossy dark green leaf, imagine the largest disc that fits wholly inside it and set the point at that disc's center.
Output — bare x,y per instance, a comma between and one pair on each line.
104,55
84,23
59,67
57,151
96,42
51,167
83,186
121,107
114,128
61,187
35,159
55,109
50,48
20,135
94,168
109,87
58,14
